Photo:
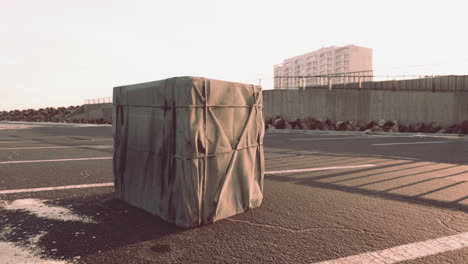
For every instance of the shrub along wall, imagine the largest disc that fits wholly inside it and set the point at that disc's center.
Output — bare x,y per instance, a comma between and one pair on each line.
49,114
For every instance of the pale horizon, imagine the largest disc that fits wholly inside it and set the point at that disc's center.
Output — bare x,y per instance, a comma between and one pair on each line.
59,53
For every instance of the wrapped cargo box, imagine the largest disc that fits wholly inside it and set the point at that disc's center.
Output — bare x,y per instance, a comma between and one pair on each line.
189,149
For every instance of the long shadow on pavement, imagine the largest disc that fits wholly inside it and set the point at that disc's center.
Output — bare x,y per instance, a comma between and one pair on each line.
314,181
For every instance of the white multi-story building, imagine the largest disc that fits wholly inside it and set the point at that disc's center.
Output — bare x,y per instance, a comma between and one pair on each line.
313,68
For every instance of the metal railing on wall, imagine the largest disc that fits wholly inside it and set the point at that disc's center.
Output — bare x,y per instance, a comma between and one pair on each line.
364,80
374,82
325,80
101,100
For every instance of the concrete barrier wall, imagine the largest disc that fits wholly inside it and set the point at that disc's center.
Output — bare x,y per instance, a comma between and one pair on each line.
407,107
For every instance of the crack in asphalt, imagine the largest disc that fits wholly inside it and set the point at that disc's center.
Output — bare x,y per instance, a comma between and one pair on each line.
446,226
296,231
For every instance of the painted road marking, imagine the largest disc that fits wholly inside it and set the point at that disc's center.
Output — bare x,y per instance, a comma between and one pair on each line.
320,169
411,143
31,141
80,186
358,137
267,172
11,141
55,160
62,147
112,184
326,138
407,252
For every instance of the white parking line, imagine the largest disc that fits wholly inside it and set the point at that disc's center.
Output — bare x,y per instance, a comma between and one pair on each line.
16,142
111,183
320,169
325,138
350,137
62,147
407,252
411,143
55,160
80,186
68,138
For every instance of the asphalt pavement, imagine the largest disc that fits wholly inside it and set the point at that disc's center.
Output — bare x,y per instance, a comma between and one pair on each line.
341,198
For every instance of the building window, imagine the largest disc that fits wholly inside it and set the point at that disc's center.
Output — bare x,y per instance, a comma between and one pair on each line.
314,63
329,54
338,70
322,55
338,57
338,64
322,61
329,60
309,64
346,62
346,56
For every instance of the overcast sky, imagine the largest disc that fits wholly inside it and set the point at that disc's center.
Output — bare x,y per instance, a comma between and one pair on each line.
60,52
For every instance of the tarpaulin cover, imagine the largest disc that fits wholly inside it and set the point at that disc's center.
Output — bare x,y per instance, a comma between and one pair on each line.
189,149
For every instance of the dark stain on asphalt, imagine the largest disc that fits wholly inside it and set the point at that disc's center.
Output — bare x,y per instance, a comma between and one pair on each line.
161,248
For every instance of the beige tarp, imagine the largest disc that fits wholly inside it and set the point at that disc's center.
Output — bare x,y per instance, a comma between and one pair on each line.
189,149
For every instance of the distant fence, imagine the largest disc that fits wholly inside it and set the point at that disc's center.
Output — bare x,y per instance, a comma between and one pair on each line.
454,83
102,100
294,82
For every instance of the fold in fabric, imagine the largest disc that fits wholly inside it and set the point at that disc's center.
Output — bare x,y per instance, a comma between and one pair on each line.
189,149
